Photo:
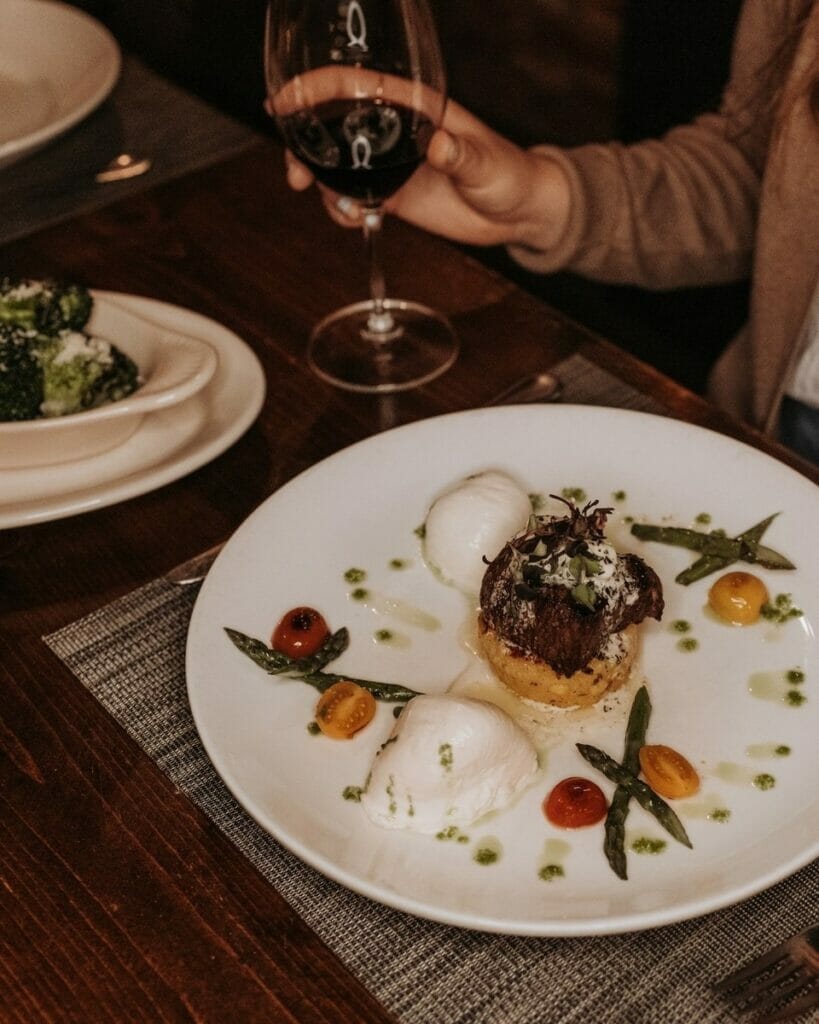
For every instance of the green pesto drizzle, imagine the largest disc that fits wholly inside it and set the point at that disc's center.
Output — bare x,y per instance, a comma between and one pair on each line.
452,833
549,872
647,844
780,610
487,851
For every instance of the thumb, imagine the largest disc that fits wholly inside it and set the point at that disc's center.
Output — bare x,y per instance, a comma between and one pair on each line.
461,159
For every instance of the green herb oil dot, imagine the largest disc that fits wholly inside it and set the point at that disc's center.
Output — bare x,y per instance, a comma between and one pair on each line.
795,676
313,728
681,626
359,594
619,495
452,833
484,856
398,563
687,644
574,493
764,781
720,814
488,851
704,518
445,756
549,872
795,698
783,750
646,845
354,575
353,793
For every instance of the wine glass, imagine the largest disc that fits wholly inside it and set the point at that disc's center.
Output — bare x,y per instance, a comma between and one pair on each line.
357,88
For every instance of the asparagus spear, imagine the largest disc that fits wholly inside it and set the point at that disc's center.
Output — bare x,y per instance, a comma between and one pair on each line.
642,793
309,670
717,551
615,826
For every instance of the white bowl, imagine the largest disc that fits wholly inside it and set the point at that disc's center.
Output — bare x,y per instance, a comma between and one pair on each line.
172,367
57,64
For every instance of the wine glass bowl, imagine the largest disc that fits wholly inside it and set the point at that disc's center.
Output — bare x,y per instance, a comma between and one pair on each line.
357,88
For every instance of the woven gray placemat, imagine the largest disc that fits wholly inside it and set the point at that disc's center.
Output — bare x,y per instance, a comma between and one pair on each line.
131,656
145,115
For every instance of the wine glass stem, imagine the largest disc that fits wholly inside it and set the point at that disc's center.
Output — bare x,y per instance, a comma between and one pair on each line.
380,323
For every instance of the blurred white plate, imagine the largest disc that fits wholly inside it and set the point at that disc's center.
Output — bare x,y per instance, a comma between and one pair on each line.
167,444
57,64
360,509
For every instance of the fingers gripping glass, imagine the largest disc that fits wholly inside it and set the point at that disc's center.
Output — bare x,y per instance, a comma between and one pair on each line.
357,88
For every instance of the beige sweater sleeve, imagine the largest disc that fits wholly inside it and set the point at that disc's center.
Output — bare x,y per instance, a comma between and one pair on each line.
681,210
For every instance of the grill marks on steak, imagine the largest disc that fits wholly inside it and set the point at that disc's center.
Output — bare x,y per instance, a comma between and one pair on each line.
550,625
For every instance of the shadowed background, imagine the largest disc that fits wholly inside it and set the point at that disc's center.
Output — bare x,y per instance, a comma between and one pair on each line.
557,71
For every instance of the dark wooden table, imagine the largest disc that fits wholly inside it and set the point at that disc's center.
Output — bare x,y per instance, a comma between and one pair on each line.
101,917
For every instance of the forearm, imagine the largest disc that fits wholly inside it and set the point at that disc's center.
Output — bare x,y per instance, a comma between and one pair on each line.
676,212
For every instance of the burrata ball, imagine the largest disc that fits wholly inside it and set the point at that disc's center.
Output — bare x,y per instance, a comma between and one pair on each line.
449,761
471,520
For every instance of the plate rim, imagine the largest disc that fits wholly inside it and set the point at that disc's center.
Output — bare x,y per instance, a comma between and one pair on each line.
552,927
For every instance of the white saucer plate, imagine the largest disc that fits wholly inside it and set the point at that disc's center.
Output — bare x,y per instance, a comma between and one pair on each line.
721,705
167,445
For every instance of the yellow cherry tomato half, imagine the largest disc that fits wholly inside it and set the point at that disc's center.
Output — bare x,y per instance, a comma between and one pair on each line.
738,597
343,709
667,772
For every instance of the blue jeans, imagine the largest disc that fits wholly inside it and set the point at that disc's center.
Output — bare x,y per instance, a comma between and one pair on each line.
799,428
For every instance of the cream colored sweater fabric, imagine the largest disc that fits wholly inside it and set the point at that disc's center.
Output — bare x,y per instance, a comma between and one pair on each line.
735,193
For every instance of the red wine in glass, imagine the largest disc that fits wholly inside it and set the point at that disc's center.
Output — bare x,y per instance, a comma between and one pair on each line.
358,88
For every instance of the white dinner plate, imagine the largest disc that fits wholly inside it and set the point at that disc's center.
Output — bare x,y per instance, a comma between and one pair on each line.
722,704
57,64
166,446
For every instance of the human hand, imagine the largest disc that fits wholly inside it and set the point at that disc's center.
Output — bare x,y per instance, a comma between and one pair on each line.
475,187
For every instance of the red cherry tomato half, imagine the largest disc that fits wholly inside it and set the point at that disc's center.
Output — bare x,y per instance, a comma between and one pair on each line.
575,803
300,633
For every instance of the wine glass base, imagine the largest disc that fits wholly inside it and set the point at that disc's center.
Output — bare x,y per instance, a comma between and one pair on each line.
411,345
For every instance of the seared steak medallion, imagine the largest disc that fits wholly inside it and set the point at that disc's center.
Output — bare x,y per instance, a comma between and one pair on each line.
559,593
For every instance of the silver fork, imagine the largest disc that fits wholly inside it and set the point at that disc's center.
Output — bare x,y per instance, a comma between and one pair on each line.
780,984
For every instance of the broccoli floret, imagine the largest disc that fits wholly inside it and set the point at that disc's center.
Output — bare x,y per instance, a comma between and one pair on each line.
81,372
44,306
21,376
118,381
